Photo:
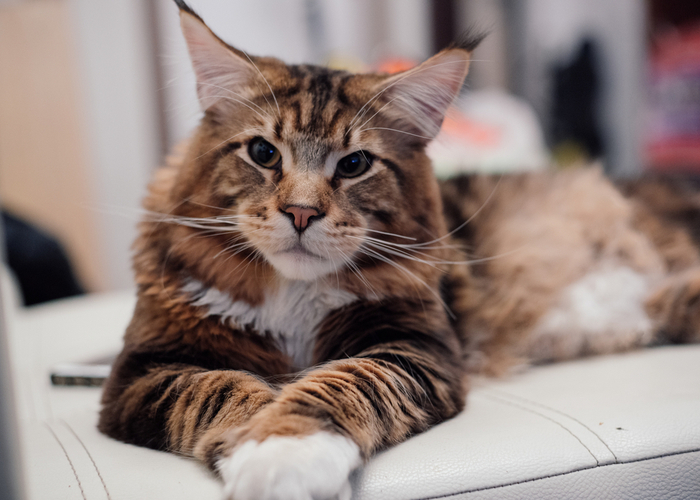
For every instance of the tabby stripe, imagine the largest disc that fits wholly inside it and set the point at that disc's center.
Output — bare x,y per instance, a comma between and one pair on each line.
176,424
278,129
320,90
330,128
229,148
394,168
146,423
296,109
207,410
412,369
341,92
346,136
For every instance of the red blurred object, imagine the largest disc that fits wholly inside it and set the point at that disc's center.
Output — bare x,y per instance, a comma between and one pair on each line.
673,135
395,65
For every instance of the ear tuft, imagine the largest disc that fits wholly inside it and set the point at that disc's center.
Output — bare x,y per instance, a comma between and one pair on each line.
469,40
186,8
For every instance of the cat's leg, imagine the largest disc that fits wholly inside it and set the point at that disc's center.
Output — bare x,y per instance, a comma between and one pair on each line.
402,378
182,408
182,381
675,307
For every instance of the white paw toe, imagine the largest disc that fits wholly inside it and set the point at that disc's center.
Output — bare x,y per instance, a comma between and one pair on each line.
314,467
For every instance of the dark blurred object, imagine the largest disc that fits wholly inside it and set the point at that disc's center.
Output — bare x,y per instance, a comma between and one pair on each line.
668,13
673,125
444,13
575,128
38,262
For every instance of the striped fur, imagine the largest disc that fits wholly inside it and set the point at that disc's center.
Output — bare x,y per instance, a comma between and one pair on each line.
234,300
371,299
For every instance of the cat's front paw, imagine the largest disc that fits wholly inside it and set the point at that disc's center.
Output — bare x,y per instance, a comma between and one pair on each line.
313,467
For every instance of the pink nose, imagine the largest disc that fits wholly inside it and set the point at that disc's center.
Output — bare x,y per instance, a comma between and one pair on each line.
302,216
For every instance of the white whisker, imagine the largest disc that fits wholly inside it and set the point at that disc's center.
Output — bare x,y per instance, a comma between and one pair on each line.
390,234
279,113
378,256
236,94
396,130
408,74
253,129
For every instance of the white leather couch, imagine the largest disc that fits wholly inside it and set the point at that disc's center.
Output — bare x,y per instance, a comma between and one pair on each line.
615,427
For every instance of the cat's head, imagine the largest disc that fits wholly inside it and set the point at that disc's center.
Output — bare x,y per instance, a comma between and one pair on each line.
320,171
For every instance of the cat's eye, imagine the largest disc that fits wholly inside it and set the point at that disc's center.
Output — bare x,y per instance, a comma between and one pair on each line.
263,153
354,165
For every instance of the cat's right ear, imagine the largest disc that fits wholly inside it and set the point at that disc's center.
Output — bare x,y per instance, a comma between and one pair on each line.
222,72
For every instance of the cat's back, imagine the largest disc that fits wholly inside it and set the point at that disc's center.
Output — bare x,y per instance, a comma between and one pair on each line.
536,240
564,218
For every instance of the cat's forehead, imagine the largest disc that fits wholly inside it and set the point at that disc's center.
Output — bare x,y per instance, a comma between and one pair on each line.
318,102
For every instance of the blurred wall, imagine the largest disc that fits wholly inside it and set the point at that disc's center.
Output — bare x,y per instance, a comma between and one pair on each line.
45,170
114,51
527,38
78,125
551,31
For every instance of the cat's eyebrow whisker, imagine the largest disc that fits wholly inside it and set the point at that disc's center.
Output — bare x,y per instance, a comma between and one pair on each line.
249,130
375,114
236,94
358,116
279,113
396,130
243,103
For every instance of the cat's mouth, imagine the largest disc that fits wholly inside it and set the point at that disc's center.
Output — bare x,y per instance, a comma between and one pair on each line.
297,262
300,250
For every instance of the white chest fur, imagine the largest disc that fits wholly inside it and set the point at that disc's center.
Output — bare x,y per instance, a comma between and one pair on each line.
291,314
601,313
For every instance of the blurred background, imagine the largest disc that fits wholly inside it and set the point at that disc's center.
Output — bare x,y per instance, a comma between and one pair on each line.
93,93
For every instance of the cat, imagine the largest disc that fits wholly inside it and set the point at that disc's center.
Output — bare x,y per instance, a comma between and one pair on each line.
309,293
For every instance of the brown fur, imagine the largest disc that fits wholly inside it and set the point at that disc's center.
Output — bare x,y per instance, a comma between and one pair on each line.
394,360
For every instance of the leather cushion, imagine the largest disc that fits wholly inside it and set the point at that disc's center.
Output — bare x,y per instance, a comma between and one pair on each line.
625,426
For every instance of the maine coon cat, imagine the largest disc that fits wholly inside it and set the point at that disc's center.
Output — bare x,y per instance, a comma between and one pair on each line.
309,294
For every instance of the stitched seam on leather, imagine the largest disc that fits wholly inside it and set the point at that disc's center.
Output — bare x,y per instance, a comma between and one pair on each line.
104,485
535,403
530,410
70,462
575,471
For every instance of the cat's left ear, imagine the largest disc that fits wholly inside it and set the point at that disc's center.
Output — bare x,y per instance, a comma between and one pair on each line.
423,94
222,72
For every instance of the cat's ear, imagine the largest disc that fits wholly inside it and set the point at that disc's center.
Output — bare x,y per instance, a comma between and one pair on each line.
222,72
424,93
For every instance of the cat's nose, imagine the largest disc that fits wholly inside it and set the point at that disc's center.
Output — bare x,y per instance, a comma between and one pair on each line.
301,217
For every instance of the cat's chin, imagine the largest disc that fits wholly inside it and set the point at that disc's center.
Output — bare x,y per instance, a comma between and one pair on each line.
296,265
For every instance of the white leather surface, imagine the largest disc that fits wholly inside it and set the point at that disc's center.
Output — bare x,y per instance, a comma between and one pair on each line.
612,427
674,477
553,421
